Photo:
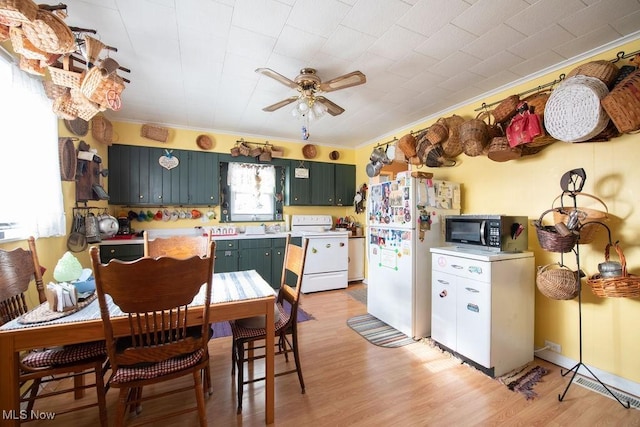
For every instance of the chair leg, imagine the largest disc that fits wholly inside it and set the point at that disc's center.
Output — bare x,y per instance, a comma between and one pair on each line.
123,403
101,394
296,356
202,411
207,386
33,393
78,384
239,362
234,358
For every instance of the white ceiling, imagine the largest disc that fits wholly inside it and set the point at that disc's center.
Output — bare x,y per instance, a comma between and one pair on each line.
192,61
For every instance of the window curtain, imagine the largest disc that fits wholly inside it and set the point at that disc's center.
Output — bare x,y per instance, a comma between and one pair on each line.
31,189
246,177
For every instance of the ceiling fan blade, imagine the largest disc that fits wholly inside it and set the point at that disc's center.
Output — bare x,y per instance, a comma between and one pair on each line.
277,76
280,104
353,78
332,108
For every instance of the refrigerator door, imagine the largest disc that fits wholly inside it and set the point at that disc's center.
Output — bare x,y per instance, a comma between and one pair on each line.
392,203
390,277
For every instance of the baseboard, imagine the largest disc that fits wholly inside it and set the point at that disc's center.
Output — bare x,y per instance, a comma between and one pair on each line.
608,378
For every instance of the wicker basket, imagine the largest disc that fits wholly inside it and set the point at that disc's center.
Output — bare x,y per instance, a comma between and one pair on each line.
255,152
500,151
23,46
438,132
605,71
31,66
244,149
64,107
53,90
407,144
474,137
452,146
86,108
623,103
506,109
549,238
93,47
435,157
157,133
627,285
95,87
66,75
4,32
573,112
277,151
102,129
309,151
265,156
19,10
557,283
49,33
587,229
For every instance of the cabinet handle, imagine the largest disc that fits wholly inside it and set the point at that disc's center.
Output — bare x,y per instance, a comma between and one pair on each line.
141,197
267,254
475,291
112,251
444,282
159,197
341,244
328,245
458,267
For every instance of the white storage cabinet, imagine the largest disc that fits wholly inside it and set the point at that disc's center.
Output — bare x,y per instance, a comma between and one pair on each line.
483,307
356,258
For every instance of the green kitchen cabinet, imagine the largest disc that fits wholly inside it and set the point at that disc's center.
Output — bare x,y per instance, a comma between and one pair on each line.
299,183
345,184
277,260
227,256
322,178
128,252
137,178
255,254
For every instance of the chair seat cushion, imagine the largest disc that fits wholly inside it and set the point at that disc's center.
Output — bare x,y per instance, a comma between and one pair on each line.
259,321
64,355
241,330
155,370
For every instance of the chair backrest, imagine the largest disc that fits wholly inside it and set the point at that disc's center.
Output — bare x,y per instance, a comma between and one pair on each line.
154,294
293,266
176,246
18,268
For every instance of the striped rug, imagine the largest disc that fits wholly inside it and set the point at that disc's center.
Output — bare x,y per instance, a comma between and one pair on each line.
377,332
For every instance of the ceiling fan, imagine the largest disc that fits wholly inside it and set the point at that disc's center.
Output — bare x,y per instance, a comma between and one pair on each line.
309,85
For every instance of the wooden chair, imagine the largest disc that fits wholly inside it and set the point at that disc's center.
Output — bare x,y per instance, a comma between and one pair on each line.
247,331
155,345
181,247
18,268
176,246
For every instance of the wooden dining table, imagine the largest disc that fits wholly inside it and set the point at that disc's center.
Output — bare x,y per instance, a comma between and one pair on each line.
235,295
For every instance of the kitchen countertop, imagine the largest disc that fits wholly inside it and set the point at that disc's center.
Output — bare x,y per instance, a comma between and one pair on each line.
239,236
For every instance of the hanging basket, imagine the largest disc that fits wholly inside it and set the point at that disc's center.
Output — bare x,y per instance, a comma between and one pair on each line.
23,46
53,90
623,103
49,33
626,286
438,132
605,71
557,283
452,146
66,74
501,151
19,10
549,238
474,136
587,229
156,133
98,88
507,108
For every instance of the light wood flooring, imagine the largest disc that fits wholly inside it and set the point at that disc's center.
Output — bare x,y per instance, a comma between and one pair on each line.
350,382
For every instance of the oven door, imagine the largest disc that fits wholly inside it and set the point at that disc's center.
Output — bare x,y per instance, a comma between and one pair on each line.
326,254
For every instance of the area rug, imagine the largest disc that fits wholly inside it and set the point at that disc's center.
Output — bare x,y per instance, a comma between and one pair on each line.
359,294
522,380
223,329
377,332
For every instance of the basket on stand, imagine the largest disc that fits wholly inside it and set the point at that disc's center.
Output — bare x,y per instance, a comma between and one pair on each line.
550,239
557,283
588,228
627,285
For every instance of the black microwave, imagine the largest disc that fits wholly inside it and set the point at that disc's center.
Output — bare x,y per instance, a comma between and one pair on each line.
499,233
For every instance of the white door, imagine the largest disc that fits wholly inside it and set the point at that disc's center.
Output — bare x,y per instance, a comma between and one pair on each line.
443,309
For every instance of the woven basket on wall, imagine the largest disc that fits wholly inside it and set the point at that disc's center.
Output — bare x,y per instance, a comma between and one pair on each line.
438,132
96,87
605,71
452,146
573,112
474,137
156,133
23,46
66,74
506,109
500,151
623,103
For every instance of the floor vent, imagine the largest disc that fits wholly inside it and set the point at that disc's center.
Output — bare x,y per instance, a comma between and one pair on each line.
598,388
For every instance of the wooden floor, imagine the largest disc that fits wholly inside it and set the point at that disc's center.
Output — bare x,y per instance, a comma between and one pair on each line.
350,382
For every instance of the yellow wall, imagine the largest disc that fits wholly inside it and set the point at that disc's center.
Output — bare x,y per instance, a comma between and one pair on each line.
526,187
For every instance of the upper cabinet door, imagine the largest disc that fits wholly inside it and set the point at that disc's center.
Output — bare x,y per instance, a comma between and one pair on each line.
345,179
300,187
322,176
204,178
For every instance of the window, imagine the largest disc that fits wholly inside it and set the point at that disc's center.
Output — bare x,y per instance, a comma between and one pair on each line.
31,190
251,190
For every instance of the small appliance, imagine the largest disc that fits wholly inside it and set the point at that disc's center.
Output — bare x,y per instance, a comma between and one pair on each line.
124,225
497,233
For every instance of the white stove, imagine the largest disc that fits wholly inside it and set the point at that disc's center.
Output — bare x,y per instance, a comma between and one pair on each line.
327,262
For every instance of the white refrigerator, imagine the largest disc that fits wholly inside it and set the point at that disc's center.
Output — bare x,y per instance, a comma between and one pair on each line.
405,219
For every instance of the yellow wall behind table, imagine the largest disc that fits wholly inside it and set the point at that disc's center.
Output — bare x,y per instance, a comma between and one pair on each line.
528,186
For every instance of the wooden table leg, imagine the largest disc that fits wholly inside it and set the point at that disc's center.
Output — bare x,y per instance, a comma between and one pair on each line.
269,365
9,395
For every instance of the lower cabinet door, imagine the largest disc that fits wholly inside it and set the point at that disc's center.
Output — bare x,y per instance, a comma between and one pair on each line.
473,318
443,309
258,259
226,261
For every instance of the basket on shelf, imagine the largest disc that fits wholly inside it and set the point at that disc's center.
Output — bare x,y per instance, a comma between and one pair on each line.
588,228
549,238
627,285
557,283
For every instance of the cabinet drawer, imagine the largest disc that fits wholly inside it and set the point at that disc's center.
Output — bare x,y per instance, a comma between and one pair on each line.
225,245
121,252
255,243
462,267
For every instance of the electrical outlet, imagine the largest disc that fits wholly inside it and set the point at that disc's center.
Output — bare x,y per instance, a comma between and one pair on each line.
553,346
